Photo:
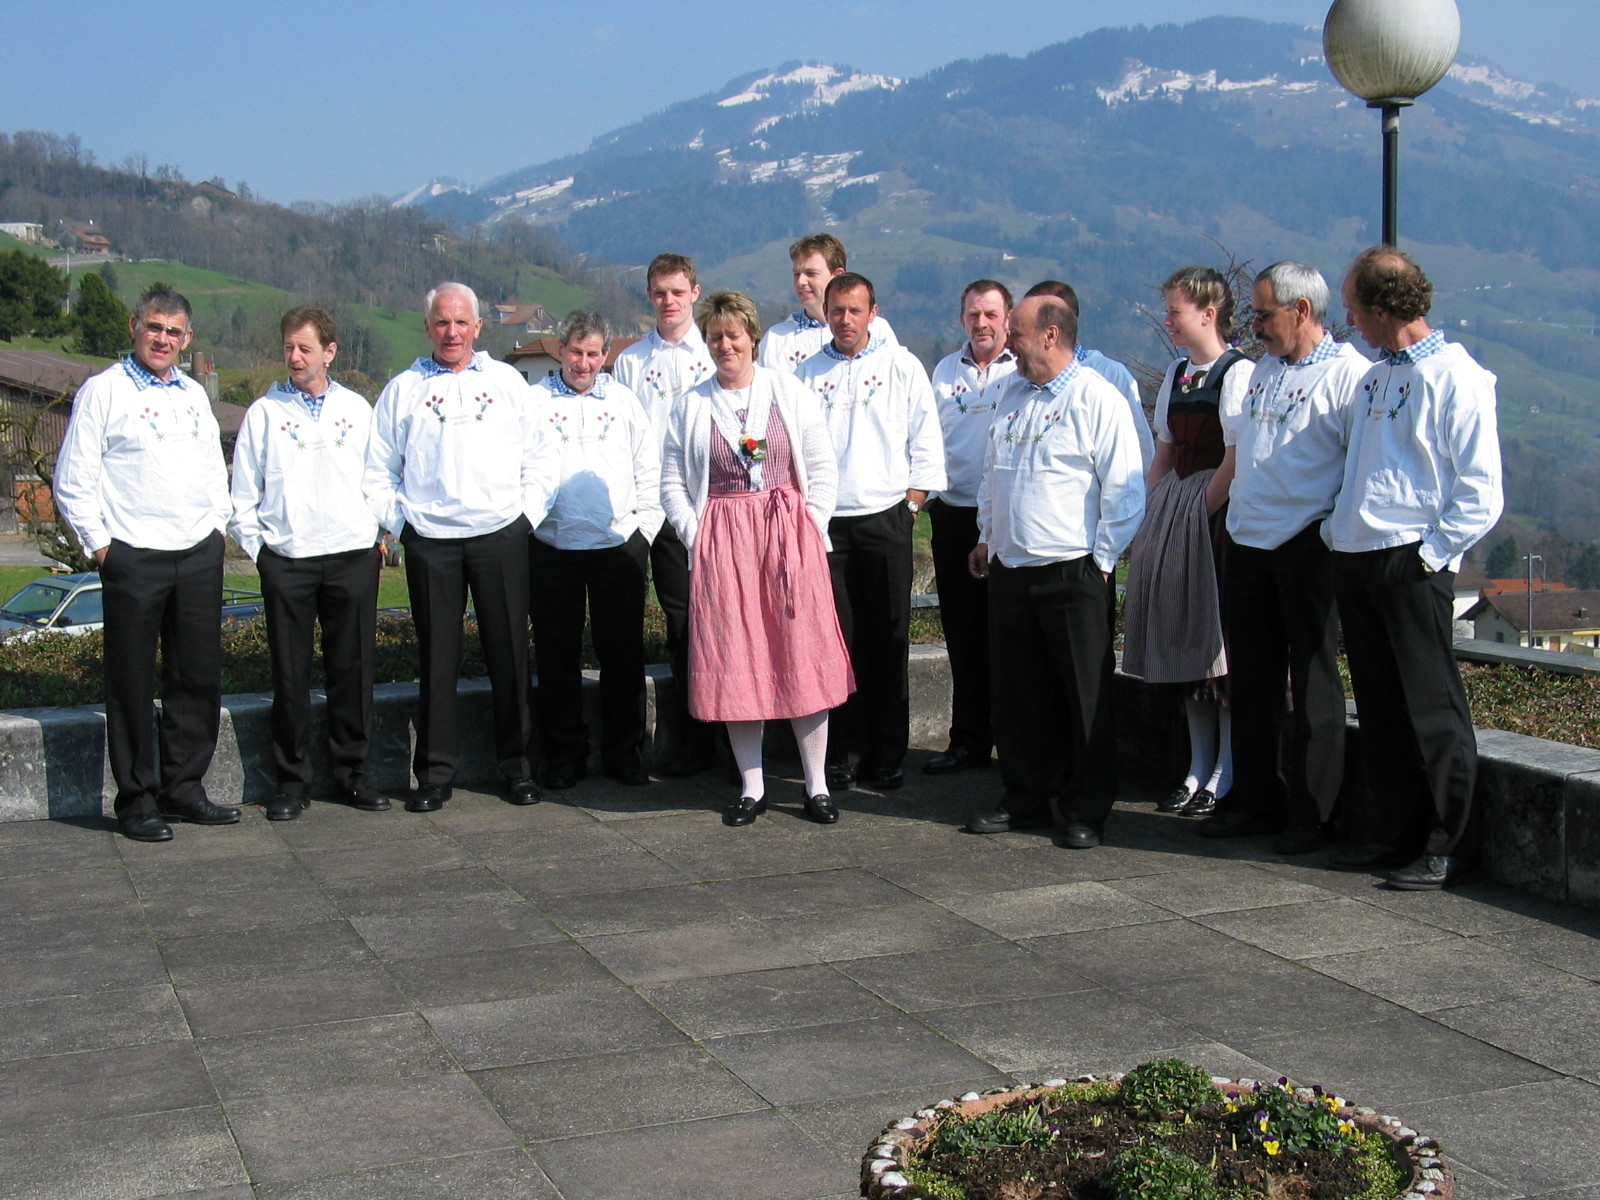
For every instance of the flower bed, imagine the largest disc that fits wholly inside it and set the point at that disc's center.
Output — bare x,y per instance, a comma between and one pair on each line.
1164,1131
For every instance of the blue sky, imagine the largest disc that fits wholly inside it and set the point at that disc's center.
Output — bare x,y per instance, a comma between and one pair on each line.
347,98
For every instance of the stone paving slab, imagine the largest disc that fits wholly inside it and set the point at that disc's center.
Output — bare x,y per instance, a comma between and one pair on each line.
611,995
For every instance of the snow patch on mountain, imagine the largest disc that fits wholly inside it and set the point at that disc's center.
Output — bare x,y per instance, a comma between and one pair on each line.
1486,76
1143,82
827,84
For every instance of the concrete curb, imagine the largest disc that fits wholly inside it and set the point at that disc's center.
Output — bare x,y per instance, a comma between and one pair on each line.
1539,800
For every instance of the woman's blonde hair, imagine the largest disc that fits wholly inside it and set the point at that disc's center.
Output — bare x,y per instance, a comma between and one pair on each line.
729,306
1205,287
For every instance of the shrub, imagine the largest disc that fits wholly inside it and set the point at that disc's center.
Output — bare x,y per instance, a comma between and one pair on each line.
1157,1172
1165,1086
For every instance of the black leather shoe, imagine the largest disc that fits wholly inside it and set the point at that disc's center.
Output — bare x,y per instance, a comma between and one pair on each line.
524,791
1181,795
1201,804
284,808
201,812
363,797
1300,839
839,776
632,775
957,758
744,810
822,809
1369,856
561,776
1077,835
145,827
881,779
1003,820
1428,874
1237,824
430,797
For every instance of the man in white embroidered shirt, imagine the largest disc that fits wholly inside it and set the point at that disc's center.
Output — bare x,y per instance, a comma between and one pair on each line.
454,468
299,513
965,387
658,368
1061,497
141,479
1421,486
878,404
593,547
816,259
1278,604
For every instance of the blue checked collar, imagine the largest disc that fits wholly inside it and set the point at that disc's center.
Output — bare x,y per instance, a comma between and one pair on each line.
429,367
1080,353
1327,348
832,351
804,320
1004,356
1058,385
289,392
558,386
1415,352
142,378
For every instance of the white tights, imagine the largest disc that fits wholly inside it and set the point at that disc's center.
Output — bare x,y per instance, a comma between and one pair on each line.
810,734
1210,747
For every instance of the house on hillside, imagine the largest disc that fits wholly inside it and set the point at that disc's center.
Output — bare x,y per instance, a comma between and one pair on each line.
542,356
1564,619
532,318
83,237
23,231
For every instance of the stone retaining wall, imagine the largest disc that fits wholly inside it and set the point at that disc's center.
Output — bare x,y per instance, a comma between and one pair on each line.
1539,801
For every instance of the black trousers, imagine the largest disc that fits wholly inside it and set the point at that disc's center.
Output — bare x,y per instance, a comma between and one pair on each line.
964,612
1418,749
439,572
669,570
1051,664
870,564
1281,621
170,598
341,592
612,582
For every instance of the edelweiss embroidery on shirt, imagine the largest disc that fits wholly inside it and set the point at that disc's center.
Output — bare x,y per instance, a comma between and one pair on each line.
1401,394
292,428
825,392
482,400
656,380
148,416
559,420
342,429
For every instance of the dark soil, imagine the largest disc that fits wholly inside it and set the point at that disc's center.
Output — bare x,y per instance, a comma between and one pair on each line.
1068,1167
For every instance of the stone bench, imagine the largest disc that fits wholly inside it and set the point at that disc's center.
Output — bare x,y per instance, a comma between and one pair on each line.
1538,801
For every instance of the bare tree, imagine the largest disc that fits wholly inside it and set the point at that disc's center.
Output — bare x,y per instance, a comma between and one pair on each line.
30,438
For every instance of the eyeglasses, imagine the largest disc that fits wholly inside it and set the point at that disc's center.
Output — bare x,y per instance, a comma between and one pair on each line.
1259,316
172,331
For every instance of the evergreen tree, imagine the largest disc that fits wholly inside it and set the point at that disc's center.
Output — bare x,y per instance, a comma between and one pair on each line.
1586,571
1502,560
100,318
32,293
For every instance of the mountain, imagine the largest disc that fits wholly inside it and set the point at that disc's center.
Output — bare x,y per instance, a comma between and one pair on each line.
1110,160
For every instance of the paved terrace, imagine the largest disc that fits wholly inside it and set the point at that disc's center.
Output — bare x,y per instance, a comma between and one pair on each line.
611,996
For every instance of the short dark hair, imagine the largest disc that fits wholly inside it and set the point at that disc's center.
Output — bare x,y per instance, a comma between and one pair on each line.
849,282
309,314
825,244
1387,278
162,300
1061,291
671,264
1053,310
988,285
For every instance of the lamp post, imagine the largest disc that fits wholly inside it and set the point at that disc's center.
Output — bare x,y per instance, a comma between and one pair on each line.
1388,52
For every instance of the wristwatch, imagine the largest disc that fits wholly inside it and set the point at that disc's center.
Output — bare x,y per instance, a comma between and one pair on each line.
913,506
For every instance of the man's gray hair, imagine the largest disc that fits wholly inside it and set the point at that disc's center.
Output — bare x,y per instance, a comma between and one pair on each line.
164,301
582,324
452,289
1292,281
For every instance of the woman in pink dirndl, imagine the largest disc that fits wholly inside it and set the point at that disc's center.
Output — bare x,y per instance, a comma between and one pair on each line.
748,479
